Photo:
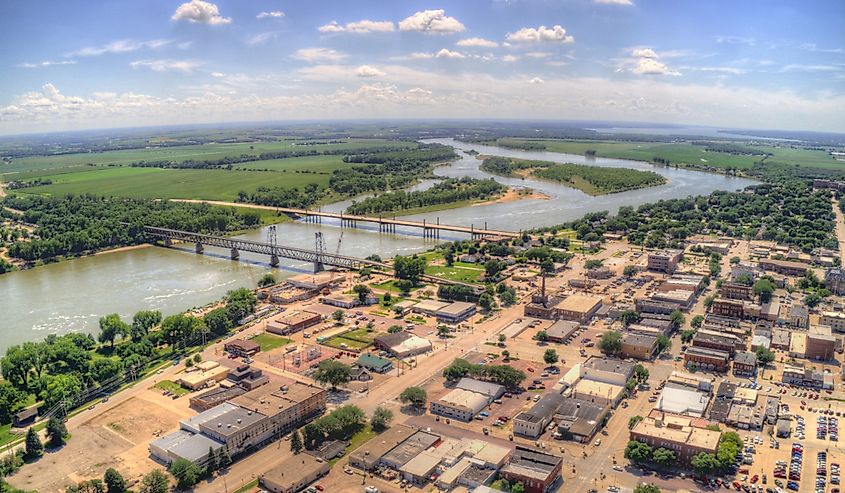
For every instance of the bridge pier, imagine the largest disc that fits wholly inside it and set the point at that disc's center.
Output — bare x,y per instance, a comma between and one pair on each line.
199,248
234,254
274,260
168,242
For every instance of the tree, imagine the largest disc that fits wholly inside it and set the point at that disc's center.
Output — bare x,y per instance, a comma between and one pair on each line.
696,321
687,336
211,464
764,288
362,290
518,488
506,355
541,336
381,418
34,447
240,303
443,330
502,338
296,444
409,269
155,482
646,488
59,388
111,328
637,451
704,463
764,355
11,400
641,373
550,356
492,268
187,473
416,396
449,258
56,432
547,267
218,321
663,343
142,322
663,456
332,372
593,264
338,315
677,319
501,484
114,481
486,302
630,270
394,329
610,342
267,279
633,420
629,317
812,300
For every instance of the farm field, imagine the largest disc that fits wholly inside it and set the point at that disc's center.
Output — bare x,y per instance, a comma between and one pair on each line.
690,154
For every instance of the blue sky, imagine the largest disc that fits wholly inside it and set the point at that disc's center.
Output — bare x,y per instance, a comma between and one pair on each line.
753,64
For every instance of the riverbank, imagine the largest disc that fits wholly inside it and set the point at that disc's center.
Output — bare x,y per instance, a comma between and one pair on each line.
513,194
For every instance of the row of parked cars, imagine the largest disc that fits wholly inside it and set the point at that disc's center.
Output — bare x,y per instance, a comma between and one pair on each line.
827,426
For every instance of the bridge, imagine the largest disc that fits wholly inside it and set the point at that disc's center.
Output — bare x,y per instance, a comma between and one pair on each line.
388,225
276,252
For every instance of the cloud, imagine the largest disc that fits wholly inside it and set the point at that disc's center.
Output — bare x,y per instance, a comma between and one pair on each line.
368,71
184,66
274,14
200,11
477,43
644,53
650,66
556,34
359,27
313,55
431,22
815,48
120,46
421,56
445,53
510,58
720,70
797,67
260,38
47,63
536,80
538,54
615,2
736,40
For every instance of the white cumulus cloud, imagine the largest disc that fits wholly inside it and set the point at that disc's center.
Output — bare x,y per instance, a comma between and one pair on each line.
200,11
47,63
121,46
510,58
644,53
536,80
431,22
273,14
477,43
554,34
615,2
445,53
650,66
319,55
364,26
421,56
185,66
368,71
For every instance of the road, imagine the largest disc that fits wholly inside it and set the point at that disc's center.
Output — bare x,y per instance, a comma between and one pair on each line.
840,229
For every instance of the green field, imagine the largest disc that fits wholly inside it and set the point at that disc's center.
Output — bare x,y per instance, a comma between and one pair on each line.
355,339
691,154
269,342
458,272
171,386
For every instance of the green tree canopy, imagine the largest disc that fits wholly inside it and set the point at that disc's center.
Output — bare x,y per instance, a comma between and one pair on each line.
416,396
610,342
332,372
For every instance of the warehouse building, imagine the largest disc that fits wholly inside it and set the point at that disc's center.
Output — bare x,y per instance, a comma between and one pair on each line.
368,455
677,433
538,472
292,321
294,474
638,346
533,422
402,344
467,399
578,308
580,420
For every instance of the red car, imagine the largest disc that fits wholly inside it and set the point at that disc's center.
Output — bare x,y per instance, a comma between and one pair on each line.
530,369
755,478
319,487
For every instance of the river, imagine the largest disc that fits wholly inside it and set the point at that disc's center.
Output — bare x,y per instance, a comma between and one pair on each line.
71,296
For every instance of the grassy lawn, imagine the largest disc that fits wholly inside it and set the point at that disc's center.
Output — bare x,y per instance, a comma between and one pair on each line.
336,342
269,342
361,334
248,487
391,286
171,386
456,272
6,435
364,435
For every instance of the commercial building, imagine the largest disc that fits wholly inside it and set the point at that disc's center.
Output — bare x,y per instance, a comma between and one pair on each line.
456,312
203,375
654,306
689,380
728,308
745,363
781,339
183,444
802,377
292,321
820,345
665,260
421,468
580,420
707,359
785,267
760,341
709,339
682,400
533,422
429,307
317,281
562,330
241,347
538,472
368,455
834,280
293,474
676,433
799,316
638,346
834,320
401,454
578,308
374,363
345,301
736,291
722,401
467,399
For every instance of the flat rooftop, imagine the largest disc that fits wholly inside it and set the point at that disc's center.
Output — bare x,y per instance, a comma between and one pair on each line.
411,447
384,442
579,303
271,399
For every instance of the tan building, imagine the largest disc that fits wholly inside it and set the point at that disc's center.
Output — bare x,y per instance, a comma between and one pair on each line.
638,346
578,307
820,345
678,434
736,291
292,321
834,320
294,474
785,267
728,308
203,375
665,260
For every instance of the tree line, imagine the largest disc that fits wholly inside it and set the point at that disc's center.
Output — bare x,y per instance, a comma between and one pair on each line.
447,191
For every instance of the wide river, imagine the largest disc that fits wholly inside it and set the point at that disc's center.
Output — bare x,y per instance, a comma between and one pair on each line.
71,296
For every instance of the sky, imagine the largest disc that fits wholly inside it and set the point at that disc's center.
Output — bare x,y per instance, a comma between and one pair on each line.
82,64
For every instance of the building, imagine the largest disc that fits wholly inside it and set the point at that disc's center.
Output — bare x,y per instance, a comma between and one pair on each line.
421,468
183,444
745,363
467,399
580,420
578,308
25,417
341,301
533,422
709,339
665,260
780,339
834,320
722,401
317,281
374,363
676,433
537,471
562,330
241,347
638,346
203,375
821,345
293,474
653,306
402,344
834,280
247,377
736,291
682,400
292,321
689,380
368,455
802,377
707,359
785,267
799,316
456,312
411,447
760,341
728,308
